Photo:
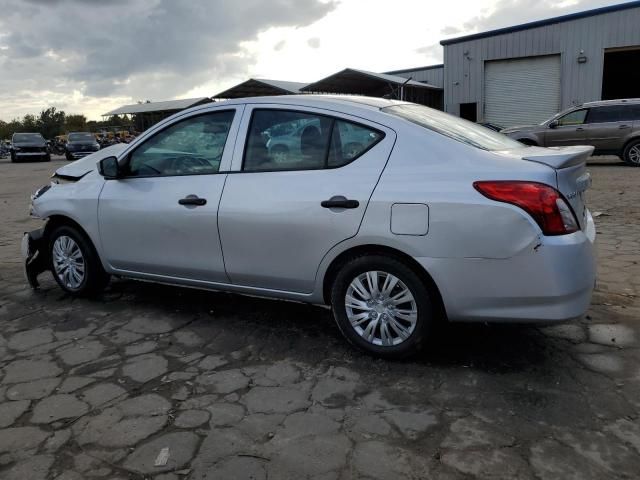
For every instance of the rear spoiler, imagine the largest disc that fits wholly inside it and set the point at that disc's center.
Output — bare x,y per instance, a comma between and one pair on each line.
561,157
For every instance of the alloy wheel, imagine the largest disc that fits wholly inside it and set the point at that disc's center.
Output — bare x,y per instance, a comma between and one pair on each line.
634,154
68,262
381,308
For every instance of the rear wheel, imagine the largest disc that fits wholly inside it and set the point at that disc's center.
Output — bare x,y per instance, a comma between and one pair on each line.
74,263
382,306
631,154
13,157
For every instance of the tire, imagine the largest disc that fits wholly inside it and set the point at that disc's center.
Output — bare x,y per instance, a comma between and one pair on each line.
66,241
413,335
68,155
13,157
631,153
47,158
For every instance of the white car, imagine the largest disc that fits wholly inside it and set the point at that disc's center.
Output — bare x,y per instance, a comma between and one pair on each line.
432,217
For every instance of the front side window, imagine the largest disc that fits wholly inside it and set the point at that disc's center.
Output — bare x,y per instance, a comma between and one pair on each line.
193,146
574,118
291,140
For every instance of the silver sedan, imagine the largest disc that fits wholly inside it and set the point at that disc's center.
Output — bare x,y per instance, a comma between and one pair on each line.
423,217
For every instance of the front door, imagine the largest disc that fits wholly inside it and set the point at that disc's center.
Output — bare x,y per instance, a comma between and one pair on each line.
293,197
569,130
161,218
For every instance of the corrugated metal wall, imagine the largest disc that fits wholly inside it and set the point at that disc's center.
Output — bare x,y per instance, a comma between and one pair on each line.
580,82
431,75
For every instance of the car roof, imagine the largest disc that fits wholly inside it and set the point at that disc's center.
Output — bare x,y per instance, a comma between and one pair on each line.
621,101
310,100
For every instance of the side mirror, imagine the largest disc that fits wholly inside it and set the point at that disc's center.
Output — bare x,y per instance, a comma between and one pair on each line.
108,167
554,124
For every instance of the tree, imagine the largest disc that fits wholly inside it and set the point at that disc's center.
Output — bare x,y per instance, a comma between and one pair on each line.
29,123
51,122
75,123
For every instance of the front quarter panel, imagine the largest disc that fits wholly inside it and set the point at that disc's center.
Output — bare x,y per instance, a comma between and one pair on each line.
77,200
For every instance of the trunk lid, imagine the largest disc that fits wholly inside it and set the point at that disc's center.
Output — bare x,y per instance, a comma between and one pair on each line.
572,177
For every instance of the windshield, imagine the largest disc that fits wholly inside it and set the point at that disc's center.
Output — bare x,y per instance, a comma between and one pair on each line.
27,137
80,137
453,127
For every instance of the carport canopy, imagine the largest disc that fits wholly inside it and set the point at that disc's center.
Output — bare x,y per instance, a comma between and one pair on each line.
258,87
361,82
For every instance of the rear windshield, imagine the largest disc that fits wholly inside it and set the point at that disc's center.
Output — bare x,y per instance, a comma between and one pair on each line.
80,137
453,127
27,137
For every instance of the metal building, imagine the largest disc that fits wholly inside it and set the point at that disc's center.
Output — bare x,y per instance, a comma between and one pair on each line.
433,74
144,115
351,81
526,73
255,87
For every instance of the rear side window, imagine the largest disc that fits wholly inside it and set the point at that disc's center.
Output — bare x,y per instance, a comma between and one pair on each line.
293,140
614,113
453,127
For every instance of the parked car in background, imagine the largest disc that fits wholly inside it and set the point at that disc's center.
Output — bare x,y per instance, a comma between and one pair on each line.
80,144
430,217
612,127
29,146
492,126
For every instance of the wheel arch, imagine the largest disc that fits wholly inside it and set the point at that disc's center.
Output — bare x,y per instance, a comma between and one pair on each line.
628,141
56,220
374,249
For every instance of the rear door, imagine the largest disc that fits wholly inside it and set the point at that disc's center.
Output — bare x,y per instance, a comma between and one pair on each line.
608,126
282,211
569,130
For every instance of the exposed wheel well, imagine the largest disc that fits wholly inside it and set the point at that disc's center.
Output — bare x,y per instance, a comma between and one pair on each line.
362,250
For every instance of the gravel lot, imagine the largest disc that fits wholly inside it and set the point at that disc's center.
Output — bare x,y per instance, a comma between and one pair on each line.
238,387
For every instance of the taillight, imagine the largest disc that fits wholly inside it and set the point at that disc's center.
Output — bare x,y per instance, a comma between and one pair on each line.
545,204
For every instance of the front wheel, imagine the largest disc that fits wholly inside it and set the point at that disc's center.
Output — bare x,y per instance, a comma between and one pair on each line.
631,154
382,306
74,262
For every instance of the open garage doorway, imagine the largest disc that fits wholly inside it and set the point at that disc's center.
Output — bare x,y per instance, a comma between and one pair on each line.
621,74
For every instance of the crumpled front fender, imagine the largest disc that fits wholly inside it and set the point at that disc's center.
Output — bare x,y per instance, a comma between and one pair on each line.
34,252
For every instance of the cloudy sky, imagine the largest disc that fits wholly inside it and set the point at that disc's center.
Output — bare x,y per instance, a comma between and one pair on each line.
90,56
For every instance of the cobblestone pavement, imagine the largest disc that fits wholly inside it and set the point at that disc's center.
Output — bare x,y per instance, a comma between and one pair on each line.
237,387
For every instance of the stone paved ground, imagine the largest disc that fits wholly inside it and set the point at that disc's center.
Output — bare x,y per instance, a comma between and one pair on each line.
239,387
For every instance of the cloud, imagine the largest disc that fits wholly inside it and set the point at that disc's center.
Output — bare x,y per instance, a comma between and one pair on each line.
314,42
506,13
134,49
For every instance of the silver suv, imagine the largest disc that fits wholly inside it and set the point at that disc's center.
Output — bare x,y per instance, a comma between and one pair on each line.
612,127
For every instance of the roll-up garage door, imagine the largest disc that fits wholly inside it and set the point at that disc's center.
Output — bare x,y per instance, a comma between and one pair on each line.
521,91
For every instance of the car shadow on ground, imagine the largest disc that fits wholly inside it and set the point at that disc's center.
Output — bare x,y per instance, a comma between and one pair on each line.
309,332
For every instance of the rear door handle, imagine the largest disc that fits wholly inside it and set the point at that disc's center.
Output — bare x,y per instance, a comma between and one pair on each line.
579,129
338,201
192,200
624,126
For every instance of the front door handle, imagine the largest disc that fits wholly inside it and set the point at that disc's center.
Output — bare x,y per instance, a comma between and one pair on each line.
192,200
338,201
579,129
624,126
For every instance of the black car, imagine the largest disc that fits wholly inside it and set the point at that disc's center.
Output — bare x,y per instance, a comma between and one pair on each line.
80,144
29,146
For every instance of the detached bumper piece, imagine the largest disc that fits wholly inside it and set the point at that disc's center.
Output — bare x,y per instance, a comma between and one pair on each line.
35,256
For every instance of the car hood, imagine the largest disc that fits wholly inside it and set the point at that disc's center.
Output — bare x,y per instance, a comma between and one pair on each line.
82,142
81,167
30,144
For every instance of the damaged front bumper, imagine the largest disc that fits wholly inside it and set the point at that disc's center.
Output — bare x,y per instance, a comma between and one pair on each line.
34,252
